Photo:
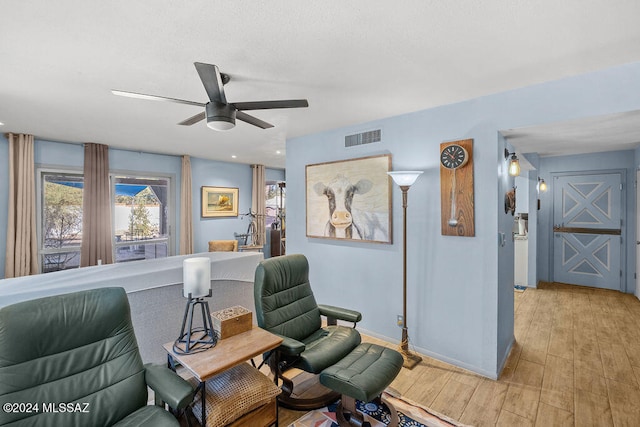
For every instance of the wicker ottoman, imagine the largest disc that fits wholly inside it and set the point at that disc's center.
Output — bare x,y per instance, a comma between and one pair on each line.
239,396
363,375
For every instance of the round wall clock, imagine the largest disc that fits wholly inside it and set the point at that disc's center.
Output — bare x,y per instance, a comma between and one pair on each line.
454,157
456,188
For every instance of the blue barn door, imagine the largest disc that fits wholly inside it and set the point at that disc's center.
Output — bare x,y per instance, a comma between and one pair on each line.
587,218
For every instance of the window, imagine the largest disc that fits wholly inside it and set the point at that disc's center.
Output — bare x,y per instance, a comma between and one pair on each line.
275,204
140,216
61,220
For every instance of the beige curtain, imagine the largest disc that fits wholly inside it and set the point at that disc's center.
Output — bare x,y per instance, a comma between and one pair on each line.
97,240
22,244
258,201
186,208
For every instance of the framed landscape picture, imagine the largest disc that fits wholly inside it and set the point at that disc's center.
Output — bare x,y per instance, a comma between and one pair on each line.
350,199
219,201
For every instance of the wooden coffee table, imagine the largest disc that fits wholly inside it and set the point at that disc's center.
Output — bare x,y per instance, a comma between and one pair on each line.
227,353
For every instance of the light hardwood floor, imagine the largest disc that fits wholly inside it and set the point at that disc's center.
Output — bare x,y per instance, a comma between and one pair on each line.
576,362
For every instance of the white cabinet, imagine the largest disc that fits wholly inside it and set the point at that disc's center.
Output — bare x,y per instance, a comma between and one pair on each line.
521,260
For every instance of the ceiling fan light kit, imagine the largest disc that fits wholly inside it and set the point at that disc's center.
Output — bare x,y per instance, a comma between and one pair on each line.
220,117
220,114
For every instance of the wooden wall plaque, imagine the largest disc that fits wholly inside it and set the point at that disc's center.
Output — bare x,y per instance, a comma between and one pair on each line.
456,188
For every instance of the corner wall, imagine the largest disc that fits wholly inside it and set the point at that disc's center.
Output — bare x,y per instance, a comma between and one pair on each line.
458,291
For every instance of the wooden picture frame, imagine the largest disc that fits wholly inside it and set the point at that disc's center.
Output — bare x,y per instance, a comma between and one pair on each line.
219,202
350,199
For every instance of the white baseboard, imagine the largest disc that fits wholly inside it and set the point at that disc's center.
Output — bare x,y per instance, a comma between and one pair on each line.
451,361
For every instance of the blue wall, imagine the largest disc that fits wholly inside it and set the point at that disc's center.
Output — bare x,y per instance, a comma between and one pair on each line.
223,174
204,172
219,174
616,160
460,289
532,176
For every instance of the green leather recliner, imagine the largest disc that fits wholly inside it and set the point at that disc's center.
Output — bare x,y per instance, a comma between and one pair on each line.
285,306
73,360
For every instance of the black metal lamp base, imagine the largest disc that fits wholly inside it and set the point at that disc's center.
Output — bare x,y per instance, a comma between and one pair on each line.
194,340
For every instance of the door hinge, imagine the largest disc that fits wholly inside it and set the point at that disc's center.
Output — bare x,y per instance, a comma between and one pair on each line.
620,187
620,273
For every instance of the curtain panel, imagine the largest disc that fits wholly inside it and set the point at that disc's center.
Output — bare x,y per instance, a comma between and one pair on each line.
258,202
186,208
97,241
22,243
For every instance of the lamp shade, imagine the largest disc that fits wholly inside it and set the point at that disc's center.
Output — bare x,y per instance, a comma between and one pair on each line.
514,166
403,178
542,186
220,125
196,277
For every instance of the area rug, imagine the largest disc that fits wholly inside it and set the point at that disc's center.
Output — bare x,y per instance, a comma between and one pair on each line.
410,413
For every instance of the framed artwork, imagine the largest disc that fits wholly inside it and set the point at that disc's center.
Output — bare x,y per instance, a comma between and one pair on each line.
219,202
350,199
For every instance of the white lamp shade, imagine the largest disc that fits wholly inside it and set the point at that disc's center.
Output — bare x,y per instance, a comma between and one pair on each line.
543,186
405,177
514,166
196,277
220,125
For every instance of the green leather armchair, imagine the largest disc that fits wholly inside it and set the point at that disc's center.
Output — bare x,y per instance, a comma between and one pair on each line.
285,306
73,360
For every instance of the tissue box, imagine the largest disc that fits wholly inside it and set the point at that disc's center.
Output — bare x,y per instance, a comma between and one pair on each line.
231,321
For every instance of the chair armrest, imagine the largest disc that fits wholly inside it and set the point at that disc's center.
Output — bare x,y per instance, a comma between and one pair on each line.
290,346
168,386
340,313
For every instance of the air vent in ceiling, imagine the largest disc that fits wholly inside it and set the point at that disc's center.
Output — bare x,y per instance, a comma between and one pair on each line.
362,138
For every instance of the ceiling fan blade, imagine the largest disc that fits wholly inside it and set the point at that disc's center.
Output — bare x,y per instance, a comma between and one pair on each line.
252,120
267,105
212,81
194,119
155,98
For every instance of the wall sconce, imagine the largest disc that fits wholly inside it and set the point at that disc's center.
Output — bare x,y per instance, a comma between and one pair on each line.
514,163
542,187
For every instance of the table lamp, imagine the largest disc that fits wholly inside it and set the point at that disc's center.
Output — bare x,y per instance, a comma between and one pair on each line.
196,277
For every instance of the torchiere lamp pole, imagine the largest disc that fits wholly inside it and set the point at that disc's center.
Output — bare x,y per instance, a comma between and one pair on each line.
404,180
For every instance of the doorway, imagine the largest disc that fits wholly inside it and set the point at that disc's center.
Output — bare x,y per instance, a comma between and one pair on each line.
588,214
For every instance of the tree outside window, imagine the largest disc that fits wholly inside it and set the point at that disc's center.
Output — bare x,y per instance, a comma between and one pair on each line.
61,221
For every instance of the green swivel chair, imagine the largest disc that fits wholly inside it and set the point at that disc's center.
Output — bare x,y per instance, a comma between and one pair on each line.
73,360
285,306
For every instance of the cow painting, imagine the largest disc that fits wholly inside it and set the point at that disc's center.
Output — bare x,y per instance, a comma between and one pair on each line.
348,203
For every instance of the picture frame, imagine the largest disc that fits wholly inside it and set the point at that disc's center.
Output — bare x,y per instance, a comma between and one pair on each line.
350,200
219,202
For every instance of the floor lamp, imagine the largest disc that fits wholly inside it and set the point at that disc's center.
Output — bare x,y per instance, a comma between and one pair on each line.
404,180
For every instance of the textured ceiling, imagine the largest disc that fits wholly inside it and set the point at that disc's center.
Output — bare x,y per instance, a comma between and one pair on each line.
611,132
355,61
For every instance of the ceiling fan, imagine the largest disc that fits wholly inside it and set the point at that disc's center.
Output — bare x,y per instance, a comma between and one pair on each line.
220,114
